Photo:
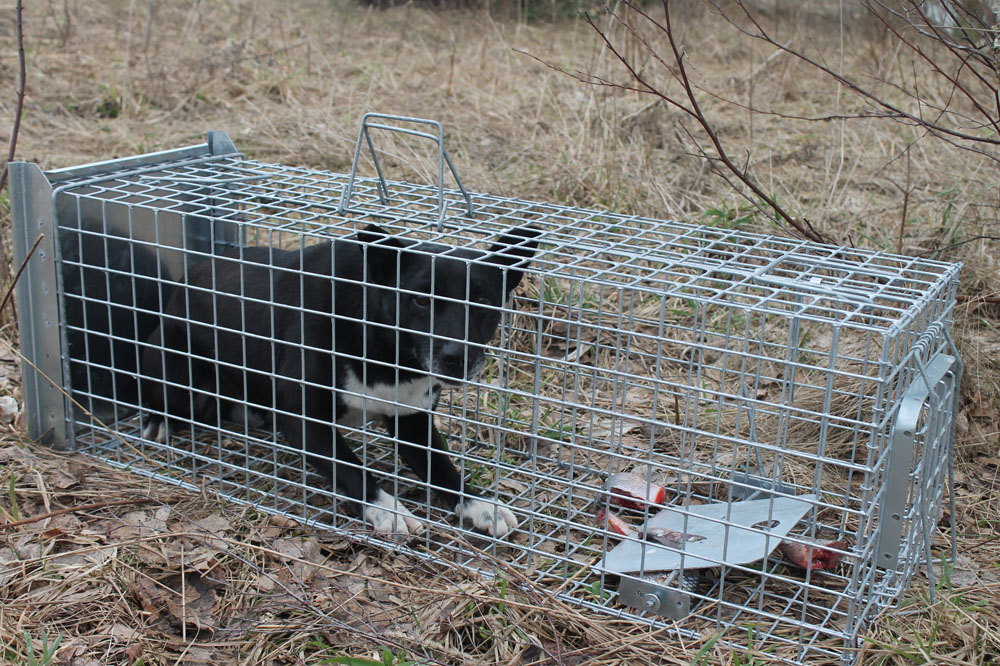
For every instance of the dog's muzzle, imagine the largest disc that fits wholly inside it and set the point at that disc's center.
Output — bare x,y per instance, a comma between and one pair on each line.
456,362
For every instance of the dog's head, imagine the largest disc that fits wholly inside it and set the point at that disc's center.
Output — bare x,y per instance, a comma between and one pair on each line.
445,302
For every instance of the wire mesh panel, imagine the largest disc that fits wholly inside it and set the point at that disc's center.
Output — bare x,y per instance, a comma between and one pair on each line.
699,428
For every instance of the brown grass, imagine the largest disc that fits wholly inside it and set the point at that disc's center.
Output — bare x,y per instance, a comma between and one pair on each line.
177,577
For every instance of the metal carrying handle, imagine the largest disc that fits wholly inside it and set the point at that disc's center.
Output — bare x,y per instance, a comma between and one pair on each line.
365,135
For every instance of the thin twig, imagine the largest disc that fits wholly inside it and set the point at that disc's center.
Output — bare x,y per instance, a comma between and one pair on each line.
935,67
953,245
906,204
977,298
71,509
17,276
20,95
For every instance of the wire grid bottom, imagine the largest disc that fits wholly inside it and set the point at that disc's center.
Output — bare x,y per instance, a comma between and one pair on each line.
555,547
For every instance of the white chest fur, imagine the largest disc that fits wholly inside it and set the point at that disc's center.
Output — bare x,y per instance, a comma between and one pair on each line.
365,402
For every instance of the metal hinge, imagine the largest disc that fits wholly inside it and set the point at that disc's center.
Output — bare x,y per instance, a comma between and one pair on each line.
656,598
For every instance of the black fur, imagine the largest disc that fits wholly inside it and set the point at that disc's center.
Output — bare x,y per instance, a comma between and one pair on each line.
270,328
111,301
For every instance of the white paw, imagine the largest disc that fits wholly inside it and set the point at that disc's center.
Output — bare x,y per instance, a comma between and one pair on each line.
155,430
387,516
493,518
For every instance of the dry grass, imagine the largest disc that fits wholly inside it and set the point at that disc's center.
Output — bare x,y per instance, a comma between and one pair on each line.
175,577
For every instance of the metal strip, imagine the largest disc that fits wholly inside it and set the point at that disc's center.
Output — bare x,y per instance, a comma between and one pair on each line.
33,214
218,143
894,499
646,595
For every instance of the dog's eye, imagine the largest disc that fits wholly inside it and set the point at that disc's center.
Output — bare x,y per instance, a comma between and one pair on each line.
422,301
485,300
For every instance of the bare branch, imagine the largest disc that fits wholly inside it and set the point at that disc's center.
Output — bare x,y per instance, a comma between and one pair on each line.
20,94
937,129
691,107
963,59
935,33
960,115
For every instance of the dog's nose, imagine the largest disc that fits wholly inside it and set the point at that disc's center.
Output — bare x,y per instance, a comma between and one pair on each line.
452,359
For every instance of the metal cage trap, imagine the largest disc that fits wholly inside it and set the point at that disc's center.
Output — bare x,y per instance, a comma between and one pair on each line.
695,427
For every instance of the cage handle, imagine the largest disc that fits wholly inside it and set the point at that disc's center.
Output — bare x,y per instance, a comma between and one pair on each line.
364,136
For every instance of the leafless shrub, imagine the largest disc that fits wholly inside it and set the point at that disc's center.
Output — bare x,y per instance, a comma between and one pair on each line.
950,93
959,47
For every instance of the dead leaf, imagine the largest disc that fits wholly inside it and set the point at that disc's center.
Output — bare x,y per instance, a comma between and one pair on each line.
8,569
18,454
85,661
27,547
64,527
86,559
510,484
161,516
67,522
980,406
269,532
200,656
961,424
124,633
202,559
140,523
215,525
184,600
134,651
300,552
963,573
61,479
191,600
265,584
150,597
608,428
434,616
52,533
68,652
536,655
282,521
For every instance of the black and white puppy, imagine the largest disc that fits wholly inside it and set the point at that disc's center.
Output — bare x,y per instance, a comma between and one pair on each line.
338,333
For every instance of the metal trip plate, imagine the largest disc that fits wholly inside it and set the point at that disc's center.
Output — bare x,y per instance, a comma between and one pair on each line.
734,533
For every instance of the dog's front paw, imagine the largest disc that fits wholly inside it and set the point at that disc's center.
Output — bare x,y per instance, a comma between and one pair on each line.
387,516
155,429
493,518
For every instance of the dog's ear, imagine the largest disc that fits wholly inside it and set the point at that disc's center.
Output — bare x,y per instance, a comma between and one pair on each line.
380,251
515,250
